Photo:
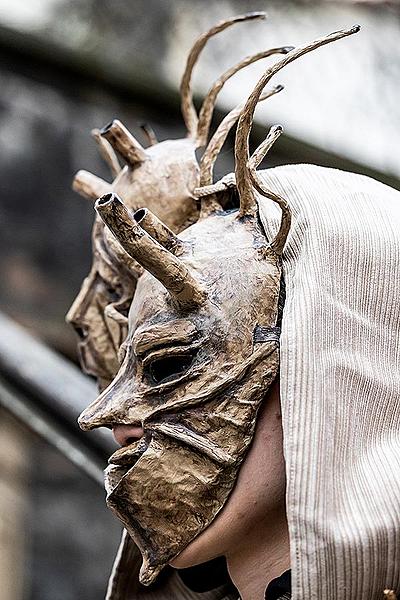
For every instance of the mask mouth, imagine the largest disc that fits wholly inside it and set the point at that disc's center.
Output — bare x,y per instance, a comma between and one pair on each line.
122,461
127,456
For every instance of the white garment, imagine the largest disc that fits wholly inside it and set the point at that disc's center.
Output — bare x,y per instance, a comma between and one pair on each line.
340,380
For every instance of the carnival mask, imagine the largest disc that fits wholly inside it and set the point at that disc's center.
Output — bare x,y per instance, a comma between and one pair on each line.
201,353
163,178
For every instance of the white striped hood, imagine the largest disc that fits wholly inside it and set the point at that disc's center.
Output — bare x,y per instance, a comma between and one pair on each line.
340,380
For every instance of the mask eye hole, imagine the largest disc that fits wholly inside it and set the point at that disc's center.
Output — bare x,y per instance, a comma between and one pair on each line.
114,293
169,367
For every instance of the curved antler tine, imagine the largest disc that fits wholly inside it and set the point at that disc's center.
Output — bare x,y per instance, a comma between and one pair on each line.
107,152
188,109
248,205
164,266
90,186
260,153
123,141
149,133
221,133
157,229
279,241
223,184
208,105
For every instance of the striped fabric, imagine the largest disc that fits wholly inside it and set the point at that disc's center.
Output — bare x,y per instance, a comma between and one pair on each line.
340,380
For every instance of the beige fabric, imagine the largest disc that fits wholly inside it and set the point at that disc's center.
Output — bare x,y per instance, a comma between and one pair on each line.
340,381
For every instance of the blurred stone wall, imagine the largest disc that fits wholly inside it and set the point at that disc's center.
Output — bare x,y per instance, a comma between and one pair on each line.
14,469
71,537
45,124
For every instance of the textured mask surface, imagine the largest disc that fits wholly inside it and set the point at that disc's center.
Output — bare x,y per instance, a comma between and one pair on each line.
194,380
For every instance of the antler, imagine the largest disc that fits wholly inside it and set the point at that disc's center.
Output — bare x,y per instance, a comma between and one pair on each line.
89,186
152,256
279,241
107,152
157,229
124,142
244,179
265,146
221,133
247,178
189,112
208,105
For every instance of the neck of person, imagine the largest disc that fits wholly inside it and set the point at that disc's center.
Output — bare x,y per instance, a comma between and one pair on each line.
263,556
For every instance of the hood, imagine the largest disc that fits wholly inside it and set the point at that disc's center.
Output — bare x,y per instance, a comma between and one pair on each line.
340,380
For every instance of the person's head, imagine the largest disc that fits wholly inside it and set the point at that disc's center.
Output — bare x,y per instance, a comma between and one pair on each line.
164,181
256,501
199,359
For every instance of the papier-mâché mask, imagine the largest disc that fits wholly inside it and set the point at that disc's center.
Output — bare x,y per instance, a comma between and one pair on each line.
193,376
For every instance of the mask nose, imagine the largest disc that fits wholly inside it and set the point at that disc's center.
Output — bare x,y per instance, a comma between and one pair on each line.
127,434
100,413
116,407
74,318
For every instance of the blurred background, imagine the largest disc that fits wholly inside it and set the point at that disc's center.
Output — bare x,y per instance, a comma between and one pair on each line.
66,67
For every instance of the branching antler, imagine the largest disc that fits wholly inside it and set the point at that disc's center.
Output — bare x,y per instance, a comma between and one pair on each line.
208,105
278,243
221,133
189,112
246,176
265,146
255,159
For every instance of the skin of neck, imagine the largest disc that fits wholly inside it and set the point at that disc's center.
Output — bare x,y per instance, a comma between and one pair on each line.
262,556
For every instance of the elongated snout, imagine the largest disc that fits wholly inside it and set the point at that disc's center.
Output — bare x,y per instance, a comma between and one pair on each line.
106,411
118,405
